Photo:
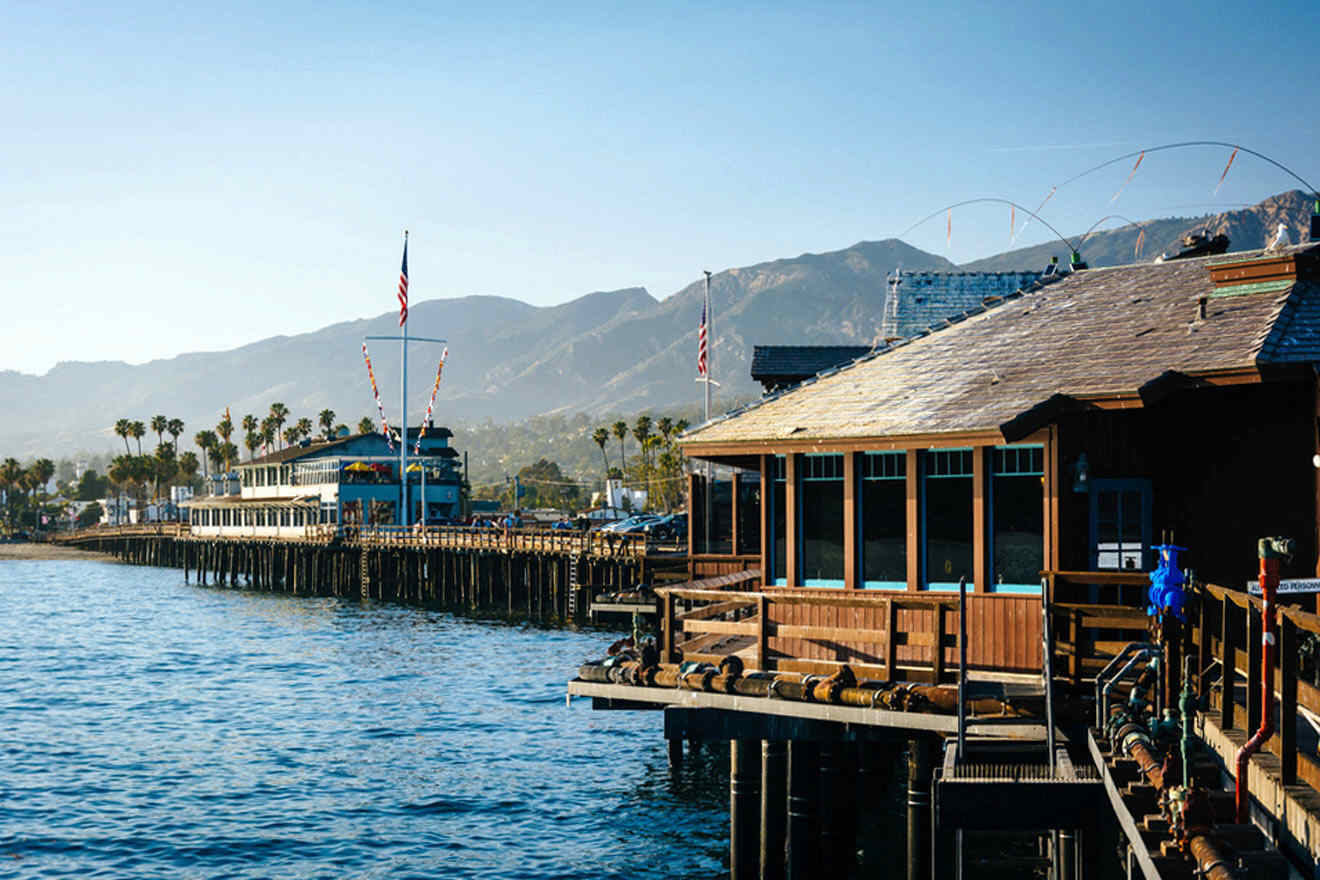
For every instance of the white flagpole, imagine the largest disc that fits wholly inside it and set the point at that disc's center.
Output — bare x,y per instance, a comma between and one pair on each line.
710,363
403,417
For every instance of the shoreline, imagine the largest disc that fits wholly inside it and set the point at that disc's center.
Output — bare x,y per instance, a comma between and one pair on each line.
29,551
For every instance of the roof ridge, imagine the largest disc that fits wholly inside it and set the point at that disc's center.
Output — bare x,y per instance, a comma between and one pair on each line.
986,306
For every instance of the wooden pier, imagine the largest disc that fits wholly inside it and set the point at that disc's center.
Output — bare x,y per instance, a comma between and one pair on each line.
542,574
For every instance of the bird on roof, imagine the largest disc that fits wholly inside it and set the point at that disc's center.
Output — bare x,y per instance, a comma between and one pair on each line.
1281,239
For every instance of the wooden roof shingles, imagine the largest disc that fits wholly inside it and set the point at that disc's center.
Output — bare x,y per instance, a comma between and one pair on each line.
1096,333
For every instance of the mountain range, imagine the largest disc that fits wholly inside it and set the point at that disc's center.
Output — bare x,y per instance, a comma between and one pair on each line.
619,351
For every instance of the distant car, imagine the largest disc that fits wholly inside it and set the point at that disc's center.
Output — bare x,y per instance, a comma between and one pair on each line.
668,528
627,525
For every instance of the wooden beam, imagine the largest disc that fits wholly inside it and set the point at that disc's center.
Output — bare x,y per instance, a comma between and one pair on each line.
850,554
1051,499
980,520
767,520
913,523
733,511
791,520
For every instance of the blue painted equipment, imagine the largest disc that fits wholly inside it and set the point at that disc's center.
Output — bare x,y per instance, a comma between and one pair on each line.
1168,584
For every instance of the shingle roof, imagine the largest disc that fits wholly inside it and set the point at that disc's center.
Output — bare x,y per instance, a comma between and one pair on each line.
1095,333
791,362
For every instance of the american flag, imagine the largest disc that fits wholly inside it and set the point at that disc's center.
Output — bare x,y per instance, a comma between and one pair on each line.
701,343
403,286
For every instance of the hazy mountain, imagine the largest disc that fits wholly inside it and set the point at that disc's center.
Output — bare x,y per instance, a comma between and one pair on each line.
606,352
1247,229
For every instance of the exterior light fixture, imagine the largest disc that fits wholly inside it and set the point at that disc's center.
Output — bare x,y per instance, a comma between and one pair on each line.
1082,475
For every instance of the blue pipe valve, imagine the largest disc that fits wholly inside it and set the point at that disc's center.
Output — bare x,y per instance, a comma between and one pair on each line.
1168,584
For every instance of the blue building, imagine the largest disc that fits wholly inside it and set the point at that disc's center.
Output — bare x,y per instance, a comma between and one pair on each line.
352,480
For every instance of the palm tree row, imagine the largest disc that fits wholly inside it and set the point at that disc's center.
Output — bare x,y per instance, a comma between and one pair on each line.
23,484
659,462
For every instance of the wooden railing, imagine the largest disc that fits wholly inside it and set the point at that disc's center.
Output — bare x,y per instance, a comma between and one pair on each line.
1226,631
549,541
1094,614
893,635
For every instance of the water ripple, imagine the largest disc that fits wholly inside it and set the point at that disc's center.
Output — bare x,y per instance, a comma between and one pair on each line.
153,729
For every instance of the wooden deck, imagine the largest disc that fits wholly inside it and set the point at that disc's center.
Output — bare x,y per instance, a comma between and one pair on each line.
537,541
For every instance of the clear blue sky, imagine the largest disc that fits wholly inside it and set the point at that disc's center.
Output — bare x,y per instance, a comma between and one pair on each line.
179,180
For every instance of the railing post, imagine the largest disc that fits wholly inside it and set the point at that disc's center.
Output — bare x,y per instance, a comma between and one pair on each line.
762,632
667,632
1227,661
891,640
937,664
1288,700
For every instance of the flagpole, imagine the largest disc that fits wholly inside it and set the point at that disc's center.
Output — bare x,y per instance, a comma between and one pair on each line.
403,406
710,363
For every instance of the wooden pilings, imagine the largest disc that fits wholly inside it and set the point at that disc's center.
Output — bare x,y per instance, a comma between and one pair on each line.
541,586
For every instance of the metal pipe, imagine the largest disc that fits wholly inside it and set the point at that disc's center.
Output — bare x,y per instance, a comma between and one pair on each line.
1100,718
1143,654
1270,552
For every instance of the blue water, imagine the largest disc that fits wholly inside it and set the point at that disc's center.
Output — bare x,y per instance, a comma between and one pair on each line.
151,728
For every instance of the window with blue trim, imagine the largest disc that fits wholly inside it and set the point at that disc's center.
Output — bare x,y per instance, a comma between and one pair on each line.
882,528
1017,518
946,518
821,509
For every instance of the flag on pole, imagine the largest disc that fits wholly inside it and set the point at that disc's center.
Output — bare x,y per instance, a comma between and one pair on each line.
701,343
403,284
1225,174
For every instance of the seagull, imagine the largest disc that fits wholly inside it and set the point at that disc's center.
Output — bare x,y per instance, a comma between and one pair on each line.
1281,239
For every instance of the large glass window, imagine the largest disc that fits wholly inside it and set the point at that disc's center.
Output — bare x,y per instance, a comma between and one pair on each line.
1017,518
883,526
721,511
821,519
779,521
946,512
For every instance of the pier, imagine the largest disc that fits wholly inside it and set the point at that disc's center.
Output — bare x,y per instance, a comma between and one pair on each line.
538,573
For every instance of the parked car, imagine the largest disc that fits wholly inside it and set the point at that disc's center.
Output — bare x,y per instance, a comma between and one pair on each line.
625,525
672,527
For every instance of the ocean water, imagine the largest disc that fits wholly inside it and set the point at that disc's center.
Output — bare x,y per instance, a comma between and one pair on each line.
151,728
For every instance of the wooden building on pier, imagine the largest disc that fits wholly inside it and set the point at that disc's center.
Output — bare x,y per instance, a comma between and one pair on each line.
1063,427
351,480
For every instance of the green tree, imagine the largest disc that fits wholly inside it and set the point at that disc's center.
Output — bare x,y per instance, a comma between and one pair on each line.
326,419
11,473
641,433
139,431
252,441
159,424
164,467
601,436
304,428
365,425
279,414
249,423
90,515
621,432
228,452
188,465
206,441
124,428
175,428
91,487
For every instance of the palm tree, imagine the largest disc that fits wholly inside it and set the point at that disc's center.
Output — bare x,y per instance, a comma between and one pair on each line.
665,425
205,441
304,428
602,436
124,428
249,423
42,470
163,467
159,424
10,473
120,473
621,431
279,413
228,452
268,430
138,431
642,431
252,441
188,465
366,425
326,419
680,426
174,429
291,435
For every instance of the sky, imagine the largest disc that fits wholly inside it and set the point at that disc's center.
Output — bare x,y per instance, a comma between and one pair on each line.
180,179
